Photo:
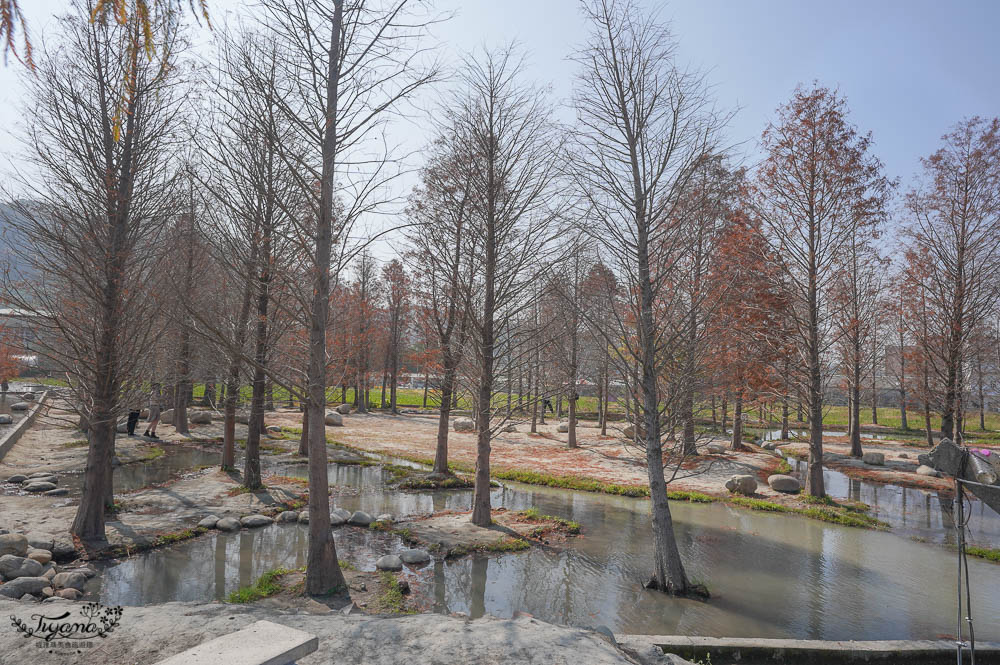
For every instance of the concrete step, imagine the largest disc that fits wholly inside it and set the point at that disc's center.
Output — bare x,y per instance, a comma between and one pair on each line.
754,651
261,643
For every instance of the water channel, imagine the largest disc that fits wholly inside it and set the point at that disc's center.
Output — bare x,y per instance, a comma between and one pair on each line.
770,575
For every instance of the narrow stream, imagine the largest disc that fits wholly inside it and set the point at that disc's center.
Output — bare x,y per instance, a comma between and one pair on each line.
770,575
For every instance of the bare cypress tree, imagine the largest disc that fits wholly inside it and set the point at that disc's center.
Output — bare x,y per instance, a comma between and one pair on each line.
511,141
99,129
643,127
956,208
817,187
352,63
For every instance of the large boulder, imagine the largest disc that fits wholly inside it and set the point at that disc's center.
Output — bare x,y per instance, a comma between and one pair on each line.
47,478
715,449
464,425
40,541
875,459
414,557
925,470
69,594
252,521
209,522
228,524
360,518
288,516
20,406
35,486
389,562
41,556
63,551
167,417
344,409
17,478
70,580
744,484
781,483
28,396
12,567
563,427
339,517
22,585
13,543
333,419
304,517
200,418
6,419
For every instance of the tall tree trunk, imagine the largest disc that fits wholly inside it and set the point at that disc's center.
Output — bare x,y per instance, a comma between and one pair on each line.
855,417
447,387
323,574
426,380
736,443
814,474
784,417
304,437
725,410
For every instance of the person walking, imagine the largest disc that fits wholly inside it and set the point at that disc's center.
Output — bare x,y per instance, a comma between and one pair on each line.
133,420
154,412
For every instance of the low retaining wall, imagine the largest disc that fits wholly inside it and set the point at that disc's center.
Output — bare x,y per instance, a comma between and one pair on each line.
12,437
751,651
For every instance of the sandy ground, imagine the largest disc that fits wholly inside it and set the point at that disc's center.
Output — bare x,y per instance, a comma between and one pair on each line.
150,634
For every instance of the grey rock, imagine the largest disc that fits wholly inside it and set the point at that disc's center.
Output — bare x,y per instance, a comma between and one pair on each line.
55,599
59,491
49,571
87,571
17,478
209,522
875,459
41,556
716,449
228,524
69,594
344,409
288,516
49,478
62,551
563,427
782,483
6,419
414,557
70,580
122,427
29,396
770,445
925,470
200,418
304,517
924,459
389,562
38,487
47,592
346,514
13,543
337,520
40,474
167,417
12,567
464,425
385,517
22,585
744,484
20,406
334,419
252,521
360,518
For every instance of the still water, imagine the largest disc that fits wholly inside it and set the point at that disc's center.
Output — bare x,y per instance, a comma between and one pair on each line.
770,575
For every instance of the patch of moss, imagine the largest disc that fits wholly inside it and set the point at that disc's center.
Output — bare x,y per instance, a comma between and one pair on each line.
691,497
177,536
988,553
390,597
266,585
570,482
152,453
843,516
569,525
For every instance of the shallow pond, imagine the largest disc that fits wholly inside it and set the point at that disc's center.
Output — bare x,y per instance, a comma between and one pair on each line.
770,575
925,514
175,459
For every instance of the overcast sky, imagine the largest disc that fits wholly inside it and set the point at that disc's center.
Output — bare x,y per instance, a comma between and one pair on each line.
909,68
